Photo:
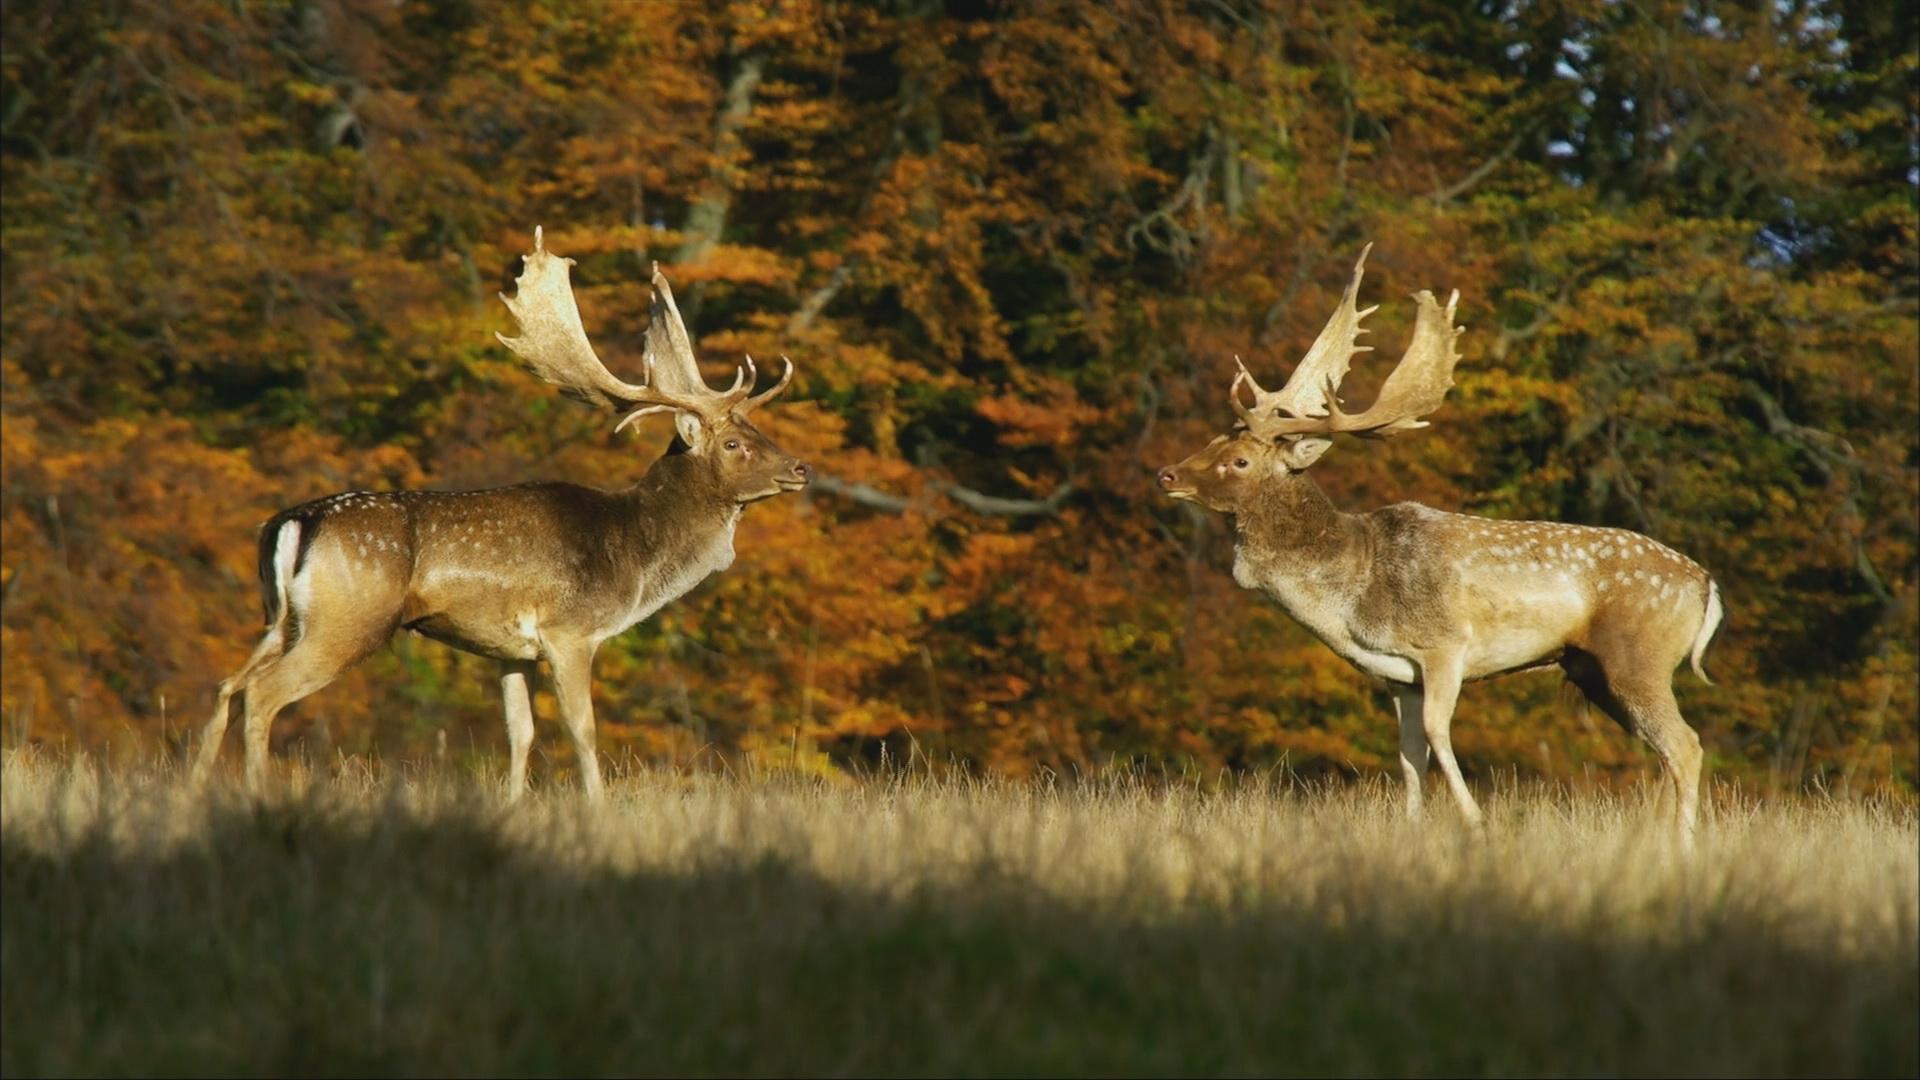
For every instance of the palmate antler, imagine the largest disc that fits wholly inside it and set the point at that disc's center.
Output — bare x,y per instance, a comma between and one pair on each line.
671,356
1325,364
1308,405
553,344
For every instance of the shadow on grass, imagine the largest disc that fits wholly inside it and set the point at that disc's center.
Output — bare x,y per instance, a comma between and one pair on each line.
290,940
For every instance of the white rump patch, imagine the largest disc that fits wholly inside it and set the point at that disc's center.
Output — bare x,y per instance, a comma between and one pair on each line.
300,590
286,547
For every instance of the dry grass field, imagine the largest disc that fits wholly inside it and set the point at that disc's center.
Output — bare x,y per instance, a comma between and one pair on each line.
717,925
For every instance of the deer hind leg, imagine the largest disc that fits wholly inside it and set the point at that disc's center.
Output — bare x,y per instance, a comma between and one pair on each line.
573,686
1413,744
339,637
519,706
215,730
1644,705
1657,718
1440,680
303,669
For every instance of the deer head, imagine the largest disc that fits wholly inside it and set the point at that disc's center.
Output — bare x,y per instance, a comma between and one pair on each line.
715,437
1285,431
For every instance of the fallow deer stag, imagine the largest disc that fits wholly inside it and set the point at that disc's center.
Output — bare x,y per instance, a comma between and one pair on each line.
543,571
1427,600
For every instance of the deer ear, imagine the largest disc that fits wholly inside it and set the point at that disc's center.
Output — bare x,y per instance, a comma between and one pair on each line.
690,429
1301,453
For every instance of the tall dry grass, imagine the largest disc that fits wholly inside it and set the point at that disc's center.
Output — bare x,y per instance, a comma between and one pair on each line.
713,925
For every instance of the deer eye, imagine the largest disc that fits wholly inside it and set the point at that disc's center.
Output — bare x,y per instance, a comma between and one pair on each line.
1239,463
733,444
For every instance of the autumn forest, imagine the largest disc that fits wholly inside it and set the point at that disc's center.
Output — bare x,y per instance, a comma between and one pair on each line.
252,250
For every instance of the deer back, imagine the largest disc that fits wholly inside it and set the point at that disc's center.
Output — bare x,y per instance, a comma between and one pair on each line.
493,571
1518,593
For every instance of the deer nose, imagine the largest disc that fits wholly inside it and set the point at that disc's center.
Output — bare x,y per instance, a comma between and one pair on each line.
1168,477
802,470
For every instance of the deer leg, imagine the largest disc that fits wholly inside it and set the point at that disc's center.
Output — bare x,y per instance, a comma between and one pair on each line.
573,685
215,732
513,691
275,689
1644,705
216,729
312,663
1413,744
1657,718
1440,679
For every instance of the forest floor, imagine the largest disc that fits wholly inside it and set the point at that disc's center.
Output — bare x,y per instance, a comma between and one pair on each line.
703,924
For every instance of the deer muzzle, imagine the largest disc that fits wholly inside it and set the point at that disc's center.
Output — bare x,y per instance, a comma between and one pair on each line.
796,477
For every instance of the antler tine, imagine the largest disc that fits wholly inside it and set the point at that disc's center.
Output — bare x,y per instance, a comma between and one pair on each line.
744,376
1256,417
679,373
1325,365
656,400
1248,376
757,400
1417,385
669,345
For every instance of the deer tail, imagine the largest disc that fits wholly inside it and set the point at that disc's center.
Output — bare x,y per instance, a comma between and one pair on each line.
1709,623
279,551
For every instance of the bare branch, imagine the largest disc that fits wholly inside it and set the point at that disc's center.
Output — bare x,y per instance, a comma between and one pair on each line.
867,496
1441,196
976,501
1179,241
996,506
1833,456
818,299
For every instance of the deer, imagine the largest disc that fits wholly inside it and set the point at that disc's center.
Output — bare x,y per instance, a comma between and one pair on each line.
1427,600
522,574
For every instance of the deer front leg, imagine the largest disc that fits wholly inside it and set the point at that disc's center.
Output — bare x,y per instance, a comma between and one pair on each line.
215,730
1440,679
1413,744
513,692
573,685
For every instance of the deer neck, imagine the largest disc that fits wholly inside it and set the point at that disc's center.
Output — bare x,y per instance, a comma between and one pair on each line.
676,511
676,528
1292,541
1317,564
